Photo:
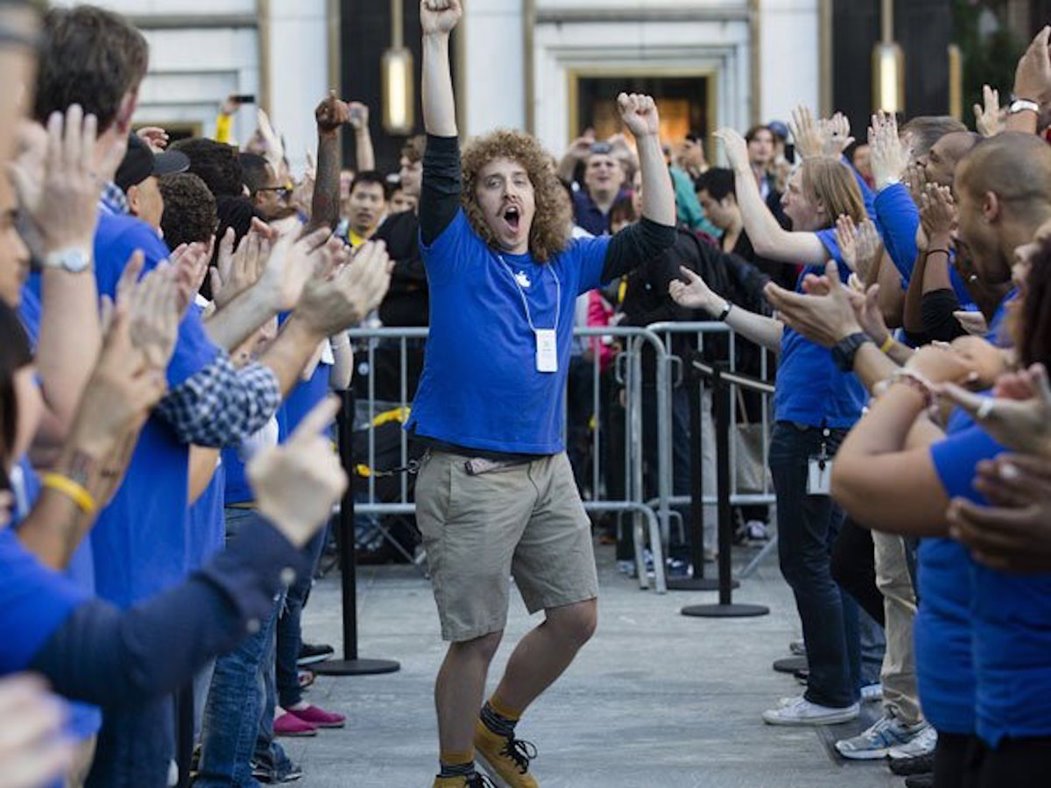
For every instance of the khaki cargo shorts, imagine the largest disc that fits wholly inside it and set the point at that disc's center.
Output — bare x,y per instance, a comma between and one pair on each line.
524,521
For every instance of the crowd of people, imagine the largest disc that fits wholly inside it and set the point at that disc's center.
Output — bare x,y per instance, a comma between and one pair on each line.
175,316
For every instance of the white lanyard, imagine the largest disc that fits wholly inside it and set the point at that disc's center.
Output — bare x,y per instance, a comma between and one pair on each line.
525,301
546,338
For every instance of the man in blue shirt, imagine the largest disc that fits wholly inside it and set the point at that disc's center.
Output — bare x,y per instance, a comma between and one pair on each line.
496,495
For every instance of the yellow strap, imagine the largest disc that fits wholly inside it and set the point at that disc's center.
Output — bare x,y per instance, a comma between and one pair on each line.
77,493
224,128
888,343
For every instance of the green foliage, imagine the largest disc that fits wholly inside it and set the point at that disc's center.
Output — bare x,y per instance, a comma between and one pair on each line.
987,60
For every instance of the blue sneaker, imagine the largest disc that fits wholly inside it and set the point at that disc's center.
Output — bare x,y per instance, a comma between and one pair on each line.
883,735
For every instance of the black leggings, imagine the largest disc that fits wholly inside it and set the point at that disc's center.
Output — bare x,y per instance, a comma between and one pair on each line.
1015,763
854,568
954,761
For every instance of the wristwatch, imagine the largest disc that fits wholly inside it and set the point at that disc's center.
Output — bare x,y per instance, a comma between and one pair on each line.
843,352
74,260
1023,105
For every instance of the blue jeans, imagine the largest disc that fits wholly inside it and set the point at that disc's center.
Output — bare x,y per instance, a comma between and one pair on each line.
135,746
236,699
289,627
807,526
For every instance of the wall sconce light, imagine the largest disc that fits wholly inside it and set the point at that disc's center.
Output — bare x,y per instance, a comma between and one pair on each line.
399,95
888,67
396,67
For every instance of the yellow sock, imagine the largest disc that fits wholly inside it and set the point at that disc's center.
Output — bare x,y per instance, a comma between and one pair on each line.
505,711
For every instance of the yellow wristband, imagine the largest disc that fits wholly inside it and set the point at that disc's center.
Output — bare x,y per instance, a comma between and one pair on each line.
888,343
76,492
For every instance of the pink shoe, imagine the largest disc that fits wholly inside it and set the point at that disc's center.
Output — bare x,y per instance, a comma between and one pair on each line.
318,717
290,725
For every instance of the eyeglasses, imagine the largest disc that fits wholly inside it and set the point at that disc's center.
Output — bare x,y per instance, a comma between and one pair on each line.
283,192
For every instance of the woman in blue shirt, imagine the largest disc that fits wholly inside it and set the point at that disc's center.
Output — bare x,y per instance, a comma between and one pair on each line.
982,636
815,404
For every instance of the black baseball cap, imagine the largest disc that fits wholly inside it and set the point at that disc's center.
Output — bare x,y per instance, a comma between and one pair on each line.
140,162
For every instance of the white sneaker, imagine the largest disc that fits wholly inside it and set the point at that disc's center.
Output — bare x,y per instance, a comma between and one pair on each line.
922,744
802,712
877,741
872,692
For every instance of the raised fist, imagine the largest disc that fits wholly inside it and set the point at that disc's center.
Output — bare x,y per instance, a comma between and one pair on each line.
439,16
639,113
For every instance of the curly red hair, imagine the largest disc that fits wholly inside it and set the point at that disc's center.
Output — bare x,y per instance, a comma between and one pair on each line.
552,222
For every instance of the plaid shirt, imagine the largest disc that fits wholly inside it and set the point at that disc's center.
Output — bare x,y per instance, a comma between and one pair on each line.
113,200
221,405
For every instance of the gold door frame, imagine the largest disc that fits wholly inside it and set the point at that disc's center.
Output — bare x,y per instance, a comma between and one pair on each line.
575,74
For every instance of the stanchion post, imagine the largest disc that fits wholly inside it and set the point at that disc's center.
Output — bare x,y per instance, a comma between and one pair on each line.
698,582
350,665
722,393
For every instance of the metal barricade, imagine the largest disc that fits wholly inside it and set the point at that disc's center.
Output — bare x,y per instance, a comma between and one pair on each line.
651,515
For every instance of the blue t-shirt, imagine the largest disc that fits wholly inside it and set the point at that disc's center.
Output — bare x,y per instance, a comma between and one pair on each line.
1010,615
942,631
84,720
140,541
810,389
303,397
480,387
34,602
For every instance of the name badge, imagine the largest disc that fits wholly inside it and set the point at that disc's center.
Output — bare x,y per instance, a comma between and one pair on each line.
546,350
819,476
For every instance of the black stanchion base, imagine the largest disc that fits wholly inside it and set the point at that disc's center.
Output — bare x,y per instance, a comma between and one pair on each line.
698,584
355,667
790,664
734,610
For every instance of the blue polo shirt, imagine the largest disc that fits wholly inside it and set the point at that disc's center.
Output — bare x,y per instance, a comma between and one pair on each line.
810,389
141,541
1010,615
480,387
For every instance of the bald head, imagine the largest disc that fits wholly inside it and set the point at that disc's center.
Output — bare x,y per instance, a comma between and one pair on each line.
1003,193
1016,167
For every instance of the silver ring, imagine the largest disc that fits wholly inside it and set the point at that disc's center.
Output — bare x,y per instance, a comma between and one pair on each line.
985,409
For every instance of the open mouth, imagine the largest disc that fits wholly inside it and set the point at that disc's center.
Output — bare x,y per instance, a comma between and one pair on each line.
513,217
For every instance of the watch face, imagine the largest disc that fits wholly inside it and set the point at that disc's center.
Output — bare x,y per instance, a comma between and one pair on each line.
73,260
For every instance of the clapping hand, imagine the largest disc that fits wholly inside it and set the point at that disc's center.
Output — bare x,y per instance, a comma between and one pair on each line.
805,132
339,296
824,315
989,119
736,148
1014,534
58,181
694,293
1019,413
155,137
33,748
937,210
128,379
888,153
237,270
